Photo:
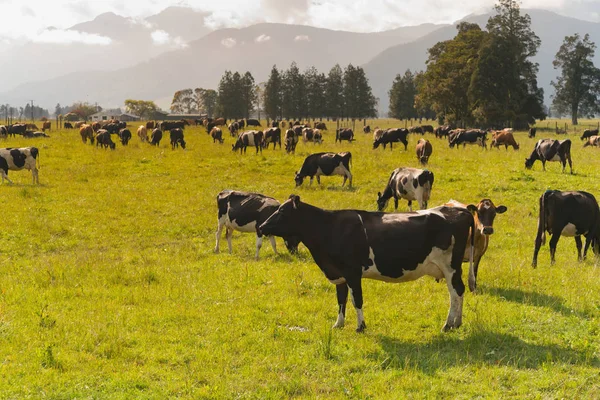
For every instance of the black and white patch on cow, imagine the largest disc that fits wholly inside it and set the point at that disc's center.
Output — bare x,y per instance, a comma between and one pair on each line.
349,245
245,212
18,159
411,184
325,164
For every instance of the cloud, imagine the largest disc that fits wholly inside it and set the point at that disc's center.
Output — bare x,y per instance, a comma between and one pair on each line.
160,37
68,36
302,38
262,38
229,42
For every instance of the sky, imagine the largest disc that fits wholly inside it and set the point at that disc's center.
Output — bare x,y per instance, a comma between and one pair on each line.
29,19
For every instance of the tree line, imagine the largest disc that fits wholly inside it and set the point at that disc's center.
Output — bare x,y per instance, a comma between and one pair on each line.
487,77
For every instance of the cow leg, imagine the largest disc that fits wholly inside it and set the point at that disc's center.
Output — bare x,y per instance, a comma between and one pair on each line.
5,176
456,288
410,205
229,234
273,244
395,203
544,165
579,246
391,146
342,297
357,299
553,243
259,240
34,175
473,277
319,179
219,233
570,163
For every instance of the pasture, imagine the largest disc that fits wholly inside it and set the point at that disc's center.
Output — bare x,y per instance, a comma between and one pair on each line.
109,287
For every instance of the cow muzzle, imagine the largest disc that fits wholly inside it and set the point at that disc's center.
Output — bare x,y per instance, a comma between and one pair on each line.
488,230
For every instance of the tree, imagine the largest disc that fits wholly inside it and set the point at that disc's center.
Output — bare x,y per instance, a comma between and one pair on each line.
315,84
206,100
578,86
184,102
334,92
248,97
58,110
293,93
272,94
402,96
359,100
84,110
142,108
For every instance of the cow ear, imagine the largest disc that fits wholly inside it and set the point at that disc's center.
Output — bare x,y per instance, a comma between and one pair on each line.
501,209
295,200
378,195
472,208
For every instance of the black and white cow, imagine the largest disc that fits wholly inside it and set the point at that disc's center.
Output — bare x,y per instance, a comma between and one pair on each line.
245,212
291,140
248,138
409,184
344,134
17,159
589,133
551,150
325,164
176,136
349,245
272,135
471,136
103,139
568,214
391,136
156,137
125,136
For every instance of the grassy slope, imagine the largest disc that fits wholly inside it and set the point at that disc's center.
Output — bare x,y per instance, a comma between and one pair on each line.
109,287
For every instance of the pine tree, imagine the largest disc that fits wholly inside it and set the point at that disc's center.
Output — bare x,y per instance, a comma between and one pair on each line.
225,105
334,92
273,94
248,95
402,96
294,99
315,84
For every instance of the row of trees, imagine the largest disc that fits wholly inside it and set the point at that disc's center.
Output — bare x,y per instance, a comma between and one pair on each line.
487,77
9,112
188,101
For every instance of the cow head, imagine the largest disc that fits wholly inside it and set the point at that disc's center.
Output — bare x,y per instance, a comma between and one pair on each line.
425,180
283,222
376,143
382,202
486,212
529,162
182,143
299,178
291,242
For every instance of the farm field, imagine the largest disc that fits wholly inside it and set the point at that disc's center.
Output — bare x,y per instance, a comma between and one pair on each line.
109,287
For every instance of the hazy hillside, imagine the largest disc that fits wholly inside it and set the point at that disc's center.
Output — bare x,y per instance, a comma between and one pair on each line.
201,64
550,27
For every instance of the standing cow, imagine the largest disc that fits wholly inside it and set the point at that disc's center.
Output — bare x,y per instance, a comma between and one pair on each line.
248,138
344,134
86,133
156,137
272,135
176,136
390,136
103,139
325,164
216,134
551,150
17,159
142,133
424,150
291,140
125,136
409,184
505,138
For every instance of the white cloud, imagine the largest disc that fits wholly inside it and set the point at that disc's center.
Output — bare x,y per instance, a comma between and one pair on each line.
302,38
262,38
160,37
69,36
229,42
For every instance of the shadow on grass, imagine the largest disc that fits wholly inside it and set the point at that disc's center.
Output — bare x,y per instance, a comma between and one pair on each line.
488,348
554,303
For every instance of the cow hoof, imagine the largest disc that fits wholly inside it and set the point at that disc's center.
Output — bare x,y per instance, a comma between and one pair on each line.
361,328
216,251
472,288
447,327
338,325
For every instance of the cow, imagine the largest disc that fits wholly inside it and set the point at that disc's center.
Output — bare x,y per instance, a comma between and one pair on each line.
68,125
221,122
176,135
112,128
241,124
391,136
471,136
298,129
291,140
274,124
249,138
409,184
17,129
307,135
568,214
452,133
198,122
86,133
415,129
272,135
156,137
217,135
3,132
150,125
349,245
233,128
424,150
32,127
206,121
592,141
317,136
46,125
18,158
551,150
484,214
504,138
31,134
103,139
142,133
325,164
344,134
377,134
320,125
125,136
252,122
532,132
442,131
245,212
427,128
168,125
367,129
588,133
96,126
78,124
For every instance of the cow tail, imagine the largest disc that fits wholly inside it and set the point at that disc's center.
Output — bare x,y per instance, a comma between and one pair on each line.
541,233
472,252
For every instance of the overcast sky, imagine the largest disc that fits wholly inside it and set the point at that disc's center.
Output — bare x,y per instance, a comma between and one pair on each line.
24,20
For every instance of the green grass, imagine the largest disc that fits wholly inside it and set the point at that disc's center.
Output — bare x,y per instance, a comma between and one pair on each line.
109,287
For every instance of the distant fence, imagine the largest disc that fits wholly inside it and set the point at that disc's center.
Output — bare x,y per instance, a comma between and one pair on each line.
564,127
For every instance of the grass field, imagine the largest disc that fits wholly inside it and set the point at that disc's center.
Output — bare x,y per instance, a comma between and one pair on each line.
109,287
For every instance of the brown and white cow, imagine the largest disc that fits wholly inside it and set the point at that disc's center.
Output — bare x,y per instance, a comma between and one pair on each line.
505,138
592,141
46,125
484,214
86,133
142,133
216,134
424,150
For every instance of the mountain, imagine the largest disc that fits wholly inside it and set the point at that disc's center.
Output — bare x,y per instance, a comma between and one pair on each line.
131,42
203,61
549,26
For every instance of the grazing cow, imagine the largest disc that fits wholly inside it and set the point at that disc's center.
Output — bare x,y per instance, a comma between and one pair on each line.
427,128
274,124
125,136
233,128
532,132
198,122
112,128
588,133
504,138
17,129
415,129
349,245
46,125
391,136
249,138
317,136
206,121
156,137
3,132
272,135
424,150
551,150
68,125
103,139
150,125
17,159
307,135
142,133
367,129
241,124
320,125
592,141
31,134
409,184
442,131
568,214
325,164
245,212
168,125
471,136
217,135
484,214
344,134
78,124
96,126
291,140
377,134
86,133
176,135
221,122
